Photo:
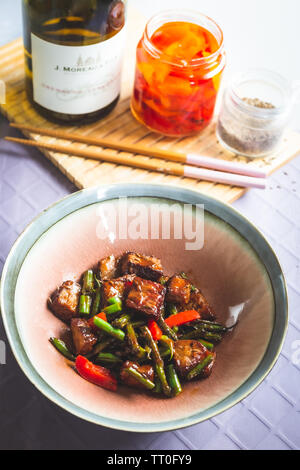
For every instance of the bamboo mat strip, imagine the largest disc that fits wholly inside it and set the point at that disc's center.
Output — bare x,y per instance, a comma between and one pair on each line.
121,126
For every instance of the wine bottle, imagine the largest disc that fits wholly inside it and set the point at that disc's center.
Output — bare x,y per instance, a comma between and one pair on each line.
73,57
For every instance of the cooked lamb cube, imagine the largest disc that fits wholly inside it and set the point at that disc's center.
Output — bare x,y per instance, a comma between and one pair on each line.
198,302
83,337
115,288
147,267
65,299
188,353
146,297
147,371
112,288
178,290
107,267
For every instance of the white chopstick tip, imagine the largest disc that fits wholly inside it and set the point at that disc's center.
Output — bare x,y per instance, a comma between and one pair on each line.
220,164
224,177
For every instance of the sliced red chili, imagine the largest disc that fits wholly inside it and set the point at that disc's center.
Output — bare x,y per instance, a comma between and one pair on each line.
95,374
182,317
155,330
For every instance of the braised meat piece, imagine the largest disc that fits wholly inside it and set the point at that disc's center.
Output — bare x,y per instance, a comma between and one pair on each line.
147,371
83,337
178,290
147,267
65,299
188,353
134,287
112,288
115,288
146,297
198,302
107,267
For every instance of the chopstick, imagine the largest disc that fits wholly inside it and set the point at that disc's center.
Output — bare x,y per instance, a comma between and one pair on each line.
170,168
179,157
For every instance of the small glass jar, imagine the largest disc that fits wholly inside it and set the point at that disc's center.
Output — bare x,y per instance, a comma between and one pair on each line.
175,92
254,112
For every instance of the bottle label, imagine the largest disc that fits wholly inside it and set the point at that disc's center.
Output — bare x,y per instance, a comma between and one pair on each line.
76,79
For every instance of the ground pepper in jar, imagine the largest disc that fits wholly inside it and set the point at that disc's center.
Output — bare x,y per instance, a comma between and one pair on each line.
178,73
254,113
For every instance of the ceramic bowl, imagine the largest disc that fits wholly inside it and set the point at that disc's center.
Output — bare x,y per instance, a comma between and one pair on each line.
236,269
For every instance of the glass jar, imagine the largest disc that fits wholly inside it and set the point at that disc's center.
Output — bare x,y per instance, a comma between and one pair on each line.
254,113
180,62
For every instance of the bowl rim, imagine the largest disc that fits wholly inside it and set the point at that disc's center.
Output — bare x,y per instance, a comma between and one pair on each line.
101,193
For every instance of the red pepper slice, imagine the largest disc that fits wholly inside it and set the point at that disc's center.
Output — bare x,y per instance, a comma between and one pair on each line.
128,284
97,375
155,330
91,323
182,317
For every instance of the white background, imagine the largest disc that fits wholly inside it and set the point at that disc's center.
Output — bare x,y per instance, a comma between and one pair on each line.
258,33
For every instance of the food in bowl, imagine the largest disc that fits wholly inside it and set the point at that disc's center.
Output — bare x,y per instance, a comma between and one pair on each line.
131,324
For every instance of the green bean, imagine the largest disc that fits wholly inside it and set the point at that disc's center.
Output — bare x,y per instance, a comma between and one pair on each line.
122,321
113,308
157,388
137,324
173,380
210,326
133,342
166,329
172,309
62,348
208,345
163,280
114,300
159,363
148,352
203,334
169,343
160,371
165,352
88,282
100,347
96,303
85,303
108,358
147,383
199,367
110,330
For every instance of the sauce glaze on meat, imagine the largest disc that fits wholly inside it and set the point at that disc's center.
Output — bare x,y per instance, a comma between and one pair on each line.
132,324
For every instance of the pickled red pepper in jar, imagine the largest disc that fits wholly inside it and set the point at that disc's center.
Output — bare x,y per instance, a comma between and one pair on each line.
180,61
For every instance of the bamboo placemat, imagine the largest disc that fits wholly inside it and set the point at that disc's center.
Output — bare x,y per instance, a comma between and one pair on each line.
120,125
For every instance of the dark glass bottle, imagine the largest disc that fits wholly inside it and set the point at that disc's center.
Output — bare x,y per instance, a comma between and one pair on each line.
73,57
